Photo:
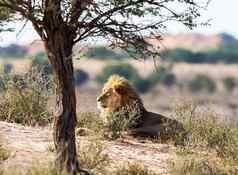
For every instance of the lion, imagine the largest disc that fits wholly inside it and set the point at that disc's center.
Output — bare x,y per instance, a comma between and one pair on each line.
118,94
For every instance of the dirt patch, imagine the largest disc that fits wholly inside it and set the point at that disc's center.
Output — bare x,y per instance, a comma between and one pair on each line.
30,145
26,144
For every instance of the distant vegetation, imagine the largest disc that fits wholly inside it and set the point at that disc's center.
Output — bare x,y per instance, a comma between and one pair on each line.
104,53
41,62
164,76
13,51
143,85
202,83
80,77
229,83
7,68
226,52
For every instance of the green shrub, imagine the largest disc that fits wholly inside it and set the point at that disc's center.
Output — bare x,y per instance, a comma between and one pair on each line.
121,121
202,83
105,53
142,85
122,69
127,71
25,99
229,83
169,79
157,76
7,68
80,77
177,54
162,76
41,62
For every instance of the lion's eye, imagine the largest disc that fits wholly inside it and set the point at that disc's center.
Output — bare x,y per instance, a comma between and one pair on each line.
108,94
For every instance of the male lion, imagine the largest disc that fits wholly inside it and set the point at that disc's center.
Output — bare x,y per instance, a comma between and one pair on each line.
118,94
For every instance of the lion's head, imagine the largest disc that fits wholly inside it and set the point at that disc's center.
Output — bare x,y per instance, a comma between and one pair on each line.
116,94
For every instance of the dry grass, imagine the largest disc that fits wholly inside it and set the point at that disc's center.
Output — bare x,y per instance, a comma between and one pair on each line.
89,124
202,165
24,99
207,131
133,169
91,157
4,154
212,147
35,169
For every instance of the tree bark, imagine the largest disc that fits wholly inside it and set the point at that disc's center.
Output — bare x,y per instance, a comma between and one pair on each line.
59,50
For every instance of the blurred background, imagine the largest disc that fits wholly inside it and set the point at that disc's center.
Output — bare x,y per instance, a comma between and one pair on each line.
199,65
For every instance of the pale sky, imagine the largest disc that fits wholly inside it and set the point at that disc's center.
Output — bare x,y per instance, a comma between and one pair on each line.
224,14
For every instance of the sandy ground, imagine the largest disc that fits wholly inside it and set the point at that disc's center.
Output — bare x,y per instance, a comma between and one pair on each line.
29,146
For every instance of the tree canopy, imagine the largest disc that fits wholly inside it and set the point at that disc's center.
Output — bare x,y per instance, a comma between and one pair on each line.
5,16
122,22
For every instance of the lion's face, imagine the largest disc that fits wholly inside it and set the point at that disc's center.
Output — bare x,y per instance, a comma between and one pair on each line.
109,100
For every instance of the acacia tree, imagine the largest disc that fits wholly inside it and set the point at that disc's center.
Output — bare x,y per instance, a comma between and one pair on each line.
124,23
5,16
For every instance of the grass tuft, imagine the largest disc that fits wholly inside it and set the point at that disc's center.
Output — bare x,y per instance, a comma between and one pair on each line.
202,166
4,154
212,147
92,158
133,169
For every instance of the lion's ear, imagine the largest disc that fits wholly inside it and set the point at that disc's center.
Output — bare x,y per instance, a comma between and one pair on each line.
119,89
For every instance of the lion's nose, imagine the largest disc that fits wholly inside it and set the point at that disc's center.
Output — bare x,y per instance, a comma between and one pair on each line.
99,99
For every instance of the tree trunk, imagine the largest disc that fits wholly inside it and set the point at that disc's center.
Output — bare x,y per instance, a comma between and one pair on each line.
59,50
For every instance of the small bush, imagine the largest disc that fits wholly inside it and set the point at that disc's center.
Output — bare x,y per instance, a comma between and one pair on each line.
142,85
122,69
127,71
229,84
41,62
202,83
162,76
121,121
7,68
106,53
133,169
25,99
169,79
80,77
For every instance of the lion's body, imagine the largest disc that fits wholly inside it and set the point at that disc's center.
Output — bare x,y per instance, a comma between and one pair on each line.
118,94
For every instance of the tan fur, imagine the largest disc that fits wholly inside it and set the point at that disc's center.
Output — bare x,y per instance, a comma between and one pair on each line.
117,94
121,94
